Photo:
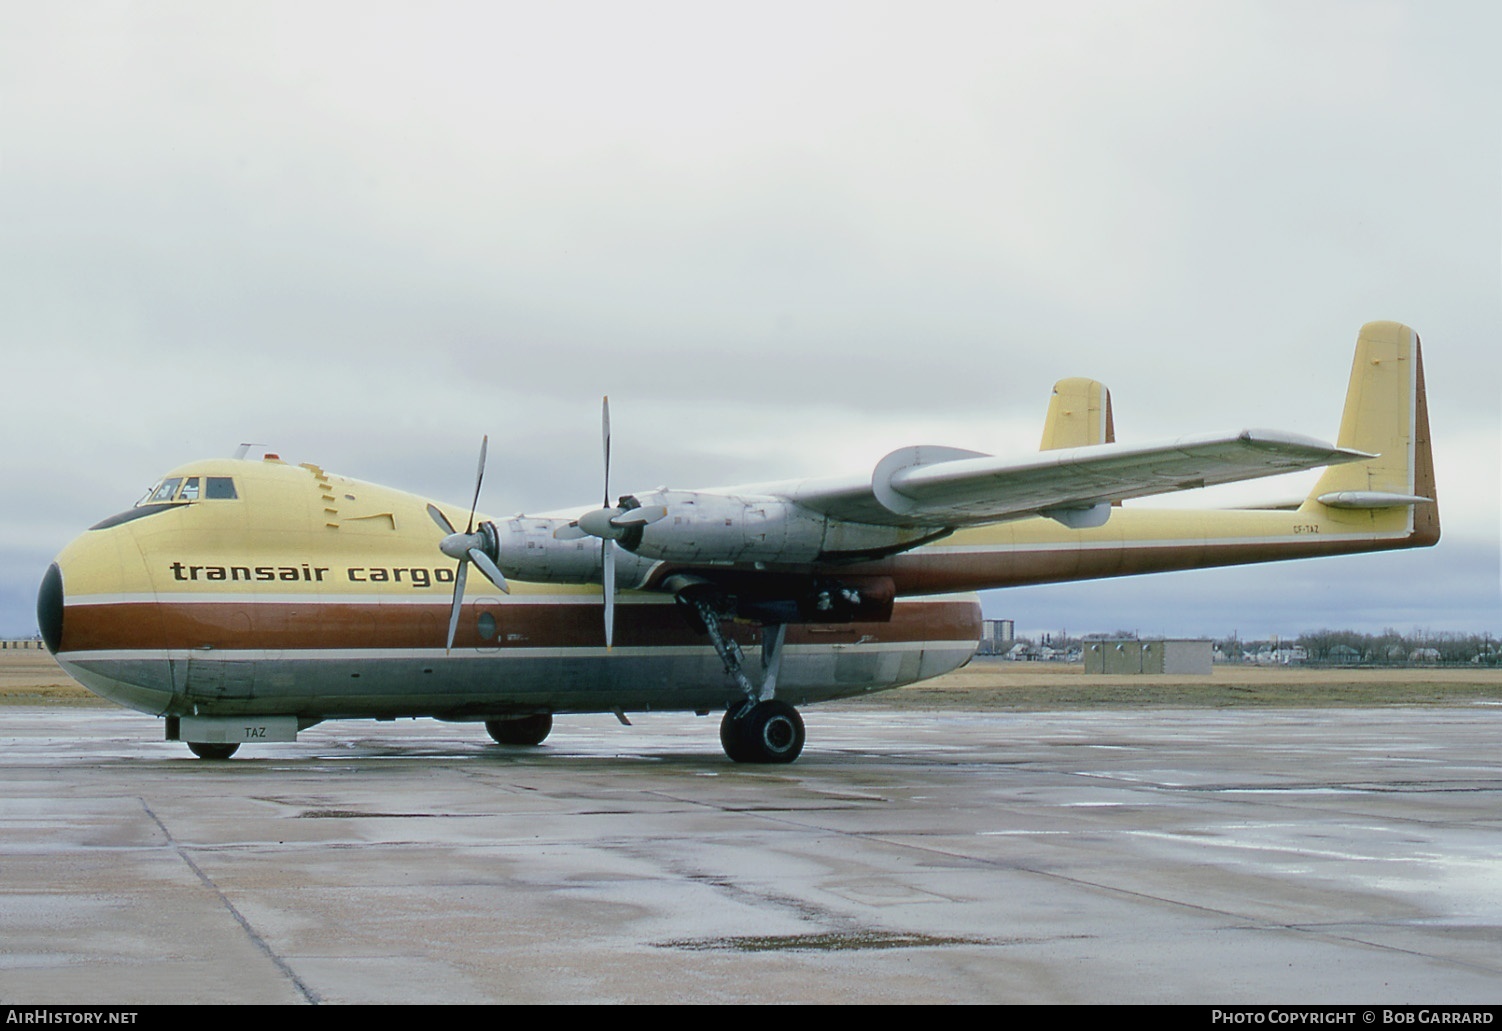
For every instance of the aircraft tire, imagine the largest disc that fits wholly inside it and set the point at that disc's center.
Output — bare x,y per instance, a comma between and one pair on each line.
731,737
206,750
525,730
772,732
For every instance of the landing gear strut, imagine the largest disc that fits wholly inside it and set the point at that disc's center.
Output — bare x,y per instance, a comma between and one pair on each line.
762,729
524,730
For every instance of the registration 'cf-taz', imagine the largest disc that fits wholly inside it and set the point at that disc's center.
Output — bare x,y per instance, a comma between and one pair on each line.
249,600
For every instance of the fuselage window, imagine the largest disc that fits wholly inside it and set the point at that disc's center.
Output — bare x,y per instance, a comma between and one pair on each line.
486,626
220,488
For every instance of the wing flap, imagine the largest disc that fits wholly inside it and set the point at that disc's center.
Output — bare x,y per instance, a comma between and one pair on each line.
927,486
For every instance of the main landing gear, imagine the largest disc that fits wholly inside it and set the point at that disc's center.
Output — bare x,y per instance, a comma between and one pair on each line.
762,729
764,732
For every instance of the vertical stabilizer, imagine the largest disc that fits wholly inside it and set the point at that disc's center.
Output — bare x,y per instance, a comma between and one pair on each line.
1079,415
1385,414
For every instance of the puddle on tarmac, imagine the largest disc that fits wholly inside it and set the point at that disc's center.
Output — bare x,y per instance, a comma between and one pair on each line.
831,941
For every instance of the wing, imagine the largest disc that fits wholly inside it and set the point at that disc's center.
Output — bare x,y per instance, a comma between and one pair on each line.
936,486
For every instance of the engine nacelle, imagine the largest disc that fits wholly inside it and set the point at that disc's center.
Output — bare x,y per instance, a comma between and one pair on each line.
723,528
525,549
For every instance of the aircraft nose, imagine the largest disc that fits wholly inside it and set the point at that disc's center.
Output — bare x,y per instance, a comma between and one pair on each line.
50,608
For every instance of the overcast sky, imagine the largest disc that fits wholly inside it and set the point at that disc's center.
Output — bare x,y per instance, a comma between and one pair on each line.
785,238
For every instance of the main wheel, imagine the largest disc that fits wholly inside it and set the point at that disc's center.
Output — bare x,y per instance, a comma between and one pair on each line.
732,737
205,750
524,730
771,732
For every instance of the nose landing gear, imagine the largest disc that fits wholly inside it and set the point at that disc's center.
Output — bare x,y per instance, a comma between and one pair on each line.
524,730
206,750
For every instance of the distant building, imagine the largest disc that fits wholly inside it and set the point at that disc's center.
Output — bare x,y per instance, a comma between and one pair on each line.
1233,654
997,636
21,642
1129,655
1281,655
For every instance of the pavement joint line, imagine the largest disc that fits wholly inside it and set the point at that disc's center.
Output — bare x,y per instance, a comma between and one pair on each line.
208,882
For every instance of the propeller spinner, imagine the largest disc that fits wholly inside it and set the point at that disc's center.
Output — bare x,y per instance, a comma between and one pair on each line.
469,546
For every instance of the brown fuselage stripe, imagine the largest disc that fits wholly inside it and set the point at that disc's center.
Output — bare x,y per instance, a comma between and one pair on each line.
344,625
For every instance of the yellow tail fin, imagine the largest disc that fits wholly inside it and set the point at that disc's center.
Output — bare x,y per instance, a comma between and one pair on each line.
1079,415
1385,414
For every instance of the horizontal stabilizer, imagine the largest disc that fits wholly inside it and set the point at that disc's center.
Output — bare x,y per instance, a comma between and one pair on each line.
1371,499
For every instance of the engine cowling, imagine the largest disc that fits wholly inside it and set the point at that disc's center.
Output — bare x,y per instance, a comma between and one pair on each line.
723,528
525,549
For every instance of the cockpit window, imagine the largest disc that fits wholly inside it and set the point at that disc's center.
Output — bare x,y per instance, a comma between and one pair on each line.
174,492
189,489
164,491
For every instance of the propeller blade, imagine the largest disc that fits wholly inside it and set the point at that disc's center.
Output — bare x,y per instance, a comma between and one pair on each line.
609,547
479,478
605,435
489,568
441,519
468,547
459,575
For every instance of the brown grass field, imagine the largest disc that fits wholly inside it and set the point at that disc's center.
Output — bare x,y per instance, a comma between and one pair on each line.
33,678
995,684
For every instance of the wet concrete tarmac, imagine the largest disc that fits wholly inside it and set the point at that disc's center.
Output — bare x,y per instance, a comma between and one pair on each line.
1206,856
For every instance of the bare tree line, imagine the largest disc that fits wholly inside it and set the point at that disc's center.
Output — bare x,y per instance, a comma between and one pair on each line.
1324,647
1391,648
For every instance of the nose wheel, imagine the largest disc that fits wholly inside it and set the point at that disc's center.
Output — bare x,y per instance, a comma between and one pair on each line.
208,750
525,730
766,732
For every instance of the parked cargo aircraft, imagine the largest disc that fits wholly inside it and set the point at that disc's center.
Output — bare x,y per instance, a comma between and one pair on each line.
248,600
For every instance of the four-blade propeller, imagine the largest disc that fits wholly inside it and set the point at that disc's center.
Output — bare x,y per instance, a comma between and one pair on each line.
608,523
468,547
